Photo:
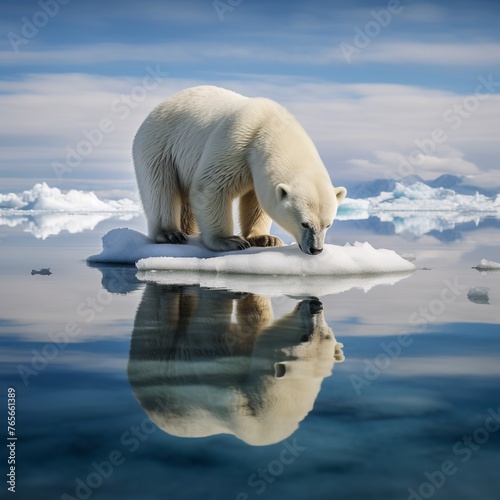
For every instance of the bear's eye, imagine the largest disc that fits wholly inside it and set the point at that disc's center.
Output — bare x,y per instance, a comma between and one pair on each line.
328,226
306,225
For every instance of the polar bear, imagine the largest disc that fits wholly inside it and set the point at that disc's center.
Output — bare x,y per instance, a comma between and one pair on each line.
206,146
198,369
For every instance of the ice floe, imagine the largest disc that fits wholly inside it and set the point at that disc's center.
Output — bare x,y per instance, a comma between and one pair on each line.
127,246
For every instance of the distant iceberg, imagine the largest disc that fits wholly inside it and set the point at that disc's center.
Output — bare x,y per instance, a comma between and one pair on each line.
44,211
415,209
418,209
419,197
42,198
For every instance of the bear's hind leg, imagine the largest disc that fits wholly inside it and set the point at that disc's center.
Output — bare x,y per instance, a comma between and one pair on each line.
160,195
255,223
169,230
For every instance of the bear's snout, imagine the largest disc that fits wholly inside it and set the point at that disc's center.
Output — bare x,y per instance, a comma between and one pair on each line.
312,250
311,241
315,306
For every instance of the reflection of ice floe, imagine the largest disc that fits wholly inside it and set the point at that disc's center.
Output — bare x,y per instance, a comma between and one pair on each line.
198,370
13,221
419,209
479,295
43,225
424,223
296,286
128,246
420,197
408,256
45,211
118,279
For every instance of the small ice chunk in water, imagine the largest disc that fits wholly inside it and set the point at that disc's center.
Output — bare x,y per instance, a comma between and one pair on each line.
44,271
479,295
487,265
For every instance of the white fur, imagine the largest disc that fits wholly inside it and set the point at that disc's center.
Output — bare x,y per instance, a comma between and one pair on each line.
205,146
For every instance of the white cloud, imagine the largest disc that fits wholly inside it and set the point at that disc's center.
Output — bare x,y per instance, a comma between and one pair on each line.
426,165
299,50
98,53
361,130
443,54
424,13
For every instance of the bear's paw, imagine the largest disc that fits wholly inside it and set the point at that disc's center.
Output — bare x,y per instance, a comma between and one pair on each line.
265,240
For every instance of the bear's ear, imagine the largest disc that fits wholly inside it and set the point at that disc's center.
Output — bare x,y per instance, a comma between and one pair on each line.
340,194
282,191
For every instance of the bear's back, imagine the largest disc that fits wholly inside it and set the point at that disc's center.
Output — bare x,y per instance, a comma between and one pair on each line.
179,127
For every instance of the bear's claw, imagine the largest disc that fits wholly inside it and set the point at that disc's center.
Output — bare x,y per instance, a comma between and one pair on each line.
173,237
229,244
265,240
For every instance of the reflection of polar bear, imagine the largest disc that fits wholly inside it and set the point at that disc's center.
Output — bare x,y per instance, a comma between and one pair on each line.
205,146
197,373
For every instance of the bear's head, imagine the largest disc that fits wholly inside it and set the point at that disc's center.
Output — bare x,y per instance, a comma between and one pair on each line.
306,210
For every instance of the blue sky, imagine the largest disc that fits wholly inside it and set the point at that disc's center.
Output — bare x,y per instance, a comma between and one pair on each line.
403,103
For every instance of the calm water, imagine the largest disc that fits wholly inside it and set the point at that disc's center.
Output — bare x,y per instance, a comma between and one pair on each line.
135,390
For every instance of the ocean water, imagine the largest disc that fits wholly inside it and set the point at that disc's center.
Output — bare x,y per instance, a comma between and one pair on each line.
133,390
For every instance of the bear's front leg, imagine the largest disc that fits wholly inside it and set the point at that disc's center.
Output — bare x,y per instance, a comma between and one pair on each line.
255,223
213,212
